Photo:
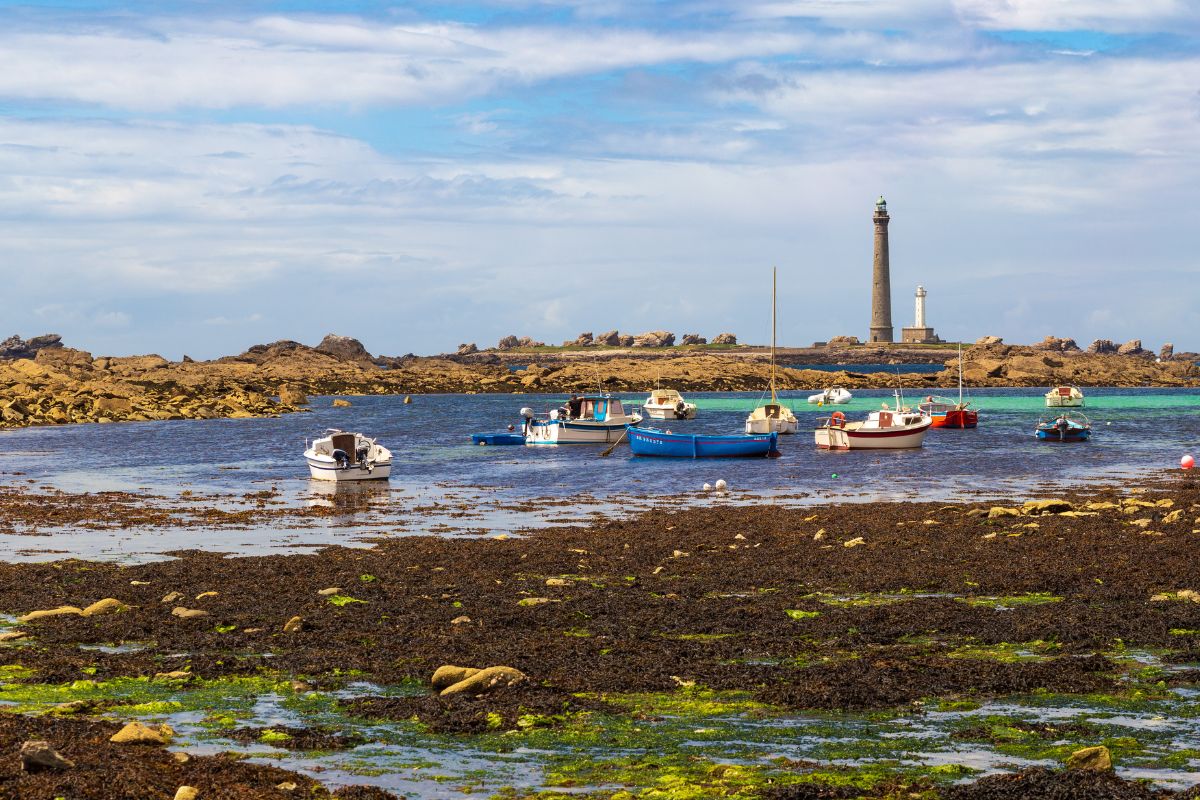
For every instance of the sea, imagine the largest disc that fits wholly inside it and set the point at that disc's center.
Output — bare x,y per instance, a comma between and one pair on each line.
463,489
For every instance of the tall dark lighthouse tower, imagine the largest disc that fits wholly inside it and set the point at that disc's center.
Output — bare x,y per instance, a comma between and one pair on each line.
881,284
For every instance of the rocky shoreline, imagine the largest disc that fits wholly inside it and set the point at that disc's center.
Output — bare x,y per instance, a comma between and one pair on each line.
615,632
47,383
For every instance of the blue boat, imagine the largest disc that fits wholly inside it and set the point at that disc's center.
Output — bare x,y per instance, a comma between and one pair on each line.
497,438
1070,426
654,442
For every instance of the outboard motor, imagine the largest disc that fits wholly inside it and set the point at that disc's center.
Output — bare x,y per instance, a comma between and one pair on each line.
527,415
342,458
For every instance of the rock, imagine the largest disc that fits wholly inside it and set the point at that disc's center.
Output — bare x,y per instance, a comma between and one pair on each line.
16,347
1057,345
654,339
1035,507
507,343
286,786
557,582
989,341
1167,352
1102,347
610,339
1097,758
693,338
1131,348
290,395
533,601
855,542
50,612
343,348
467,349
181,758
331,590
625,340
188,613
106,606
1001,511
819,535
582,340
724,338
448,675
187,793
39,755
174,675
293,625
340,403
12,636
486,680
842,341
172,597
203,595
188,359
137,733
463,620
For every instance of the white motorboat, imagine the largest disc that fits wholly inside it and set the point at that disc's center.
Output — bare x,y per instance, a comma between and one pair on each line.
341,456
668,404
590,419
772,417
885,429
1064,397
835,395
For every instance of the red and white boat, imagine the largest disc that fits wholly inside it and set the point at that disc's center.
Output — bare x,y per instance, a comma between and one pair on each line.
947,413
885,429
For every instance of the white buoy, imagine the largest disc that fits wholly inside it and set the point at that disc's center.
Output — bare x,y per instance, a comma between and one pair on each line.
708,487
721,484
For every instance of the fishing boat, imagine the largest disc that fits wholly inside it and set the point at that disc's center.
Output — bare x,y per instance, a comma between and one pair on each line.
668,404
1064,397
590,419
655,442
886,429
772,417
947,413
341,456
835,395
1069,426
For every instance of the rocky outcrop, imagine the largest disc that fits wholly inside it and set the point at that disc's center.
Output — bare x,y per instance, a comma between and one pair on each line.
344,348
609,339
1132,348
625,340
654,339
724,338
1102,347
582,340
988,341
842,341
693,338
467,349
1057,345
1167,352
512,342
16,347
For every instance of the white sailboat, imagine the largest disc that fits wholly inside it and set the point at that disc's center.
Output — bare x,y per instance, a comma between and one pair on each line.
772,417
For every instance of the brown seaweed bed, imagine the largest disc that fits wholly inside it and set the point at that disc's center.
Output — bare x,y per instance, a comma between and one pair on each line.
780,604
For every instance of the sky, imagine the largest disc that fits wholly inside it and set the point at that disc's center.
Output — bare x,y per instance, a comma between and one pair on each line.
198,177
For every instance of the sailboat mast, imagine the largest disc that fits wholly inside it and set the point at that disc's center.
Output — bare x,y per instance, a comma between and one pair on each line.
960,374
773,282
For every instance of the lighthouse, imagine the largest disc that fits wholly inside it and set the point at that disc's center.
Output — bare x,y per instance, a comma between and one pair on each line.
919,333
881,283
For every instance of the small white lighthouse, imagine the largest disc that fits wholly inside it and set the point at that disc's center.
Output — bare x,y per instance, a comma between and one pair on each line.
919,333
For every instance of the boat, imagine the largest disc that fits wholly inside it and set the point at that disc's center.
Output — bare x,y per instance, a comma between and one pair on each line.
342,456
501,438
590,419
886,429
835,395
668,404
1069,426
1064,397
772,417
655,442
947,413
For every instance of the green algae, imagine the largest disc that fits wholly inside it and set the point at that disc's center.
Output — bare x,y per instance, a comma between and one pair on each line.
1008,601
796,613
1006,652
341,600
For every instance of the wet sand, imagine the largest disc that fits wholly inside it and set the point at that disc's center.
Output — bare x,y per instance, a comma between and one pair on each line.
859,608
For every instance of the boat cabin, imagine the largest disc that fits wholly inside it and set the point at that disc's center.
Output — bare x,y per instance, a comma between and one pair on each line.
599,408
664,397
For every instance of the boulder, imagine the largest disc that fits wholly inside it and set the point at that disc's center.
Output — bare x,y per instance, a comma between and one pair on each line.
332,590
527,341
724,338
188,613
12,636
137,733
693,338
1000,511
448,675
50,612
467,349
1035,507
172,597
343,348
340,403
486,680
625,340
39,755
293,625
106,606
989,341
508,343
290,395
16,347
611,339
187,793
582,340
1102,347
654,339
1057,345
842,341
1097,758
1131,348
1167,352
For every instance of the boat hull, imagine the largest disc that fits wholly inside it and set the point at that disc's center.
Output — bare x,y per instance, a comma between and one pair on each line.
1071,435
762,427
956,419
653,442
669,412
1064,402
497,438
836,438
323,470
573,432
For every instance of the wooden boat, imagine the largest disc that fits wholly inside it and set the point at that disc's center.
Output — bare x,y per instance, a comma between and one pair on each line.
772,417
668,404
590,419
835,395
341,456
483,439
1064,397
1070,426
885,429
654,442
947,413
